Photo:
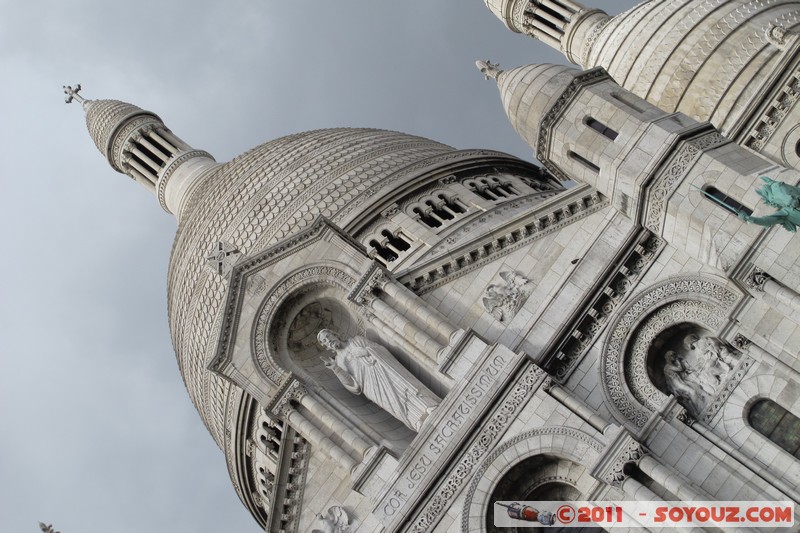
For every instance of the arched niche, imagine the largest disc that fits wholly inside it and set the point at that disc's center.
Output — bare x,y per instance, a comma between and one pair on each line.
542,477
655,322
316,299
549,463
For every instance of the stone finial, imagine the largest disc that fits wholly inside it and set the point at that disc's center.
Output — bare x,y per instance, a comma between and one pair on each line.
72,94
47,528
489,69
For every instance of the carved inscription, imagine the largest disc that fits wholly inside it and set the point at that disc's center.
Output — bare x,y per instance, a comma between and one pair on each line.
456,419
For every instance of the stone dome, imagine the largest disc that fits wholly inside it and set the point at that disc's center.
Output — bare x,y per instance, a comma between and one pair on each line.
705,58
256,200
105,117
529,92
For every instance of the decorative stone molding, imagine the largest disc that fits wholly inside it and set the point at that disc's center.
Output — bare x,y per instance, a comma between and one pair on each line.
503,300
731,382
222,258
431,512
771,119
741,343
539,223
479,475
625,450
290,391
591,39
690,298
166,174
672,172
364,288
581,81
613,289
756,279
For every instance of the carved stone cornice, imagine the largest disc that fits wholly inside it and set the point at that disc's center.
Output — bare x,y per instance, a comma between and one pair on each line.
290,391
521,232
585,326
364,290
740,342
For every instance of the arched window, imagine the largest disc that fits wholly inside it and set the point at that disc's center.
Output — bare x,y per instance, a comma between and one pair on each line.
777,424
601,128
730,204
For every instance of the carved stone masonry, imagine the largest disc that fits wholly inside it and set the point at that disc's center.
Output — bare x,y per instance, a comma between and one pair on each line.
757,279
503,300
222,258
291,391
363,292
741,342
624,451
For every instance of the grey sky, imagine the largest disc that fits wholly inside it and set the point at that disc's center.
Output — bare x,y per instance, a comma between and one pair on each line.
98,431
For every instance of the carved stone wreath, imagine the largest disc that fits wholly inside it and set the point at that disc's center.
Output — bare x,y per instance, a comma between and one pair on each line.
623,367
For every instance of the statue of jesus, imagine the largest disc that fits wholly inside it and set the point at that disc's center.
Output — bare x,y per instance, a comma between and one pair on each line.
366,367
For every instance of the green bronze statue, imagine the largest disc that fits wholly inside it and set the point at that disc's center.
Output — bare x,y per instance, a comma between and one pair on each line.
782,196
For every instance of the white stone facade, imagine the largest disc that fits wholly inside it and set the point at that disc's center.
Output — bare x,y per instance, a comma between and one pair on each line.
614,339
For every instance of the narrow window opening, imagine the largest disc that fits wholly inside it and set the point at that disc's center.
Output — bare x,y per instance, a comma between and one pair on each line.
395,241
438,211
777,424
146,151
426,219
385,253
601,128
730,203
583,161
627,101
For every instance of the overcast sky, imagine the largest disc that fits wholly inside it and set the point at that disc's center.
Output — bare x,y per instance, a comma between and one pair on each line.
98,433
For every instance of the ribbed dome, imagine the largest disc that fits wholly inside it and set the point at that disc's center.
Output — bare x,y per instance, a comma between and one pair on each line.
103,117
529,92
705,58
258,199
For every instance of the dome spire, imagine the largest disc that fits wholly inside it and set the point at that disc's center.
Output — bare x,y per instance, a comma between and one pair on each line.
489,69
137,143
565,25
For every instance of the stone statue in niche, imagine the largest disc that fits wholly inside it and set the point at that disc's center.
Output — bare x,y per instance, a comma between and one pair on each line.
365,367
687,391
335,520
504,300
696,372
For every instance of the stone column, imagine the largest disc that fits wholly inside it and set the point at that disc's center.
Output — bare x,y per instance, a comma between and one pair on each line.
577,407
409,330
419,308
671,481
746,345
389,333
335,425
317,438
776,295
635,491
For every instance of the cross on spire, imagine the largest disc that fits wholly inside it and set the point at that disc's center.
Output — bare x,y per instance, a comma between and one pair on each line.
72,94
